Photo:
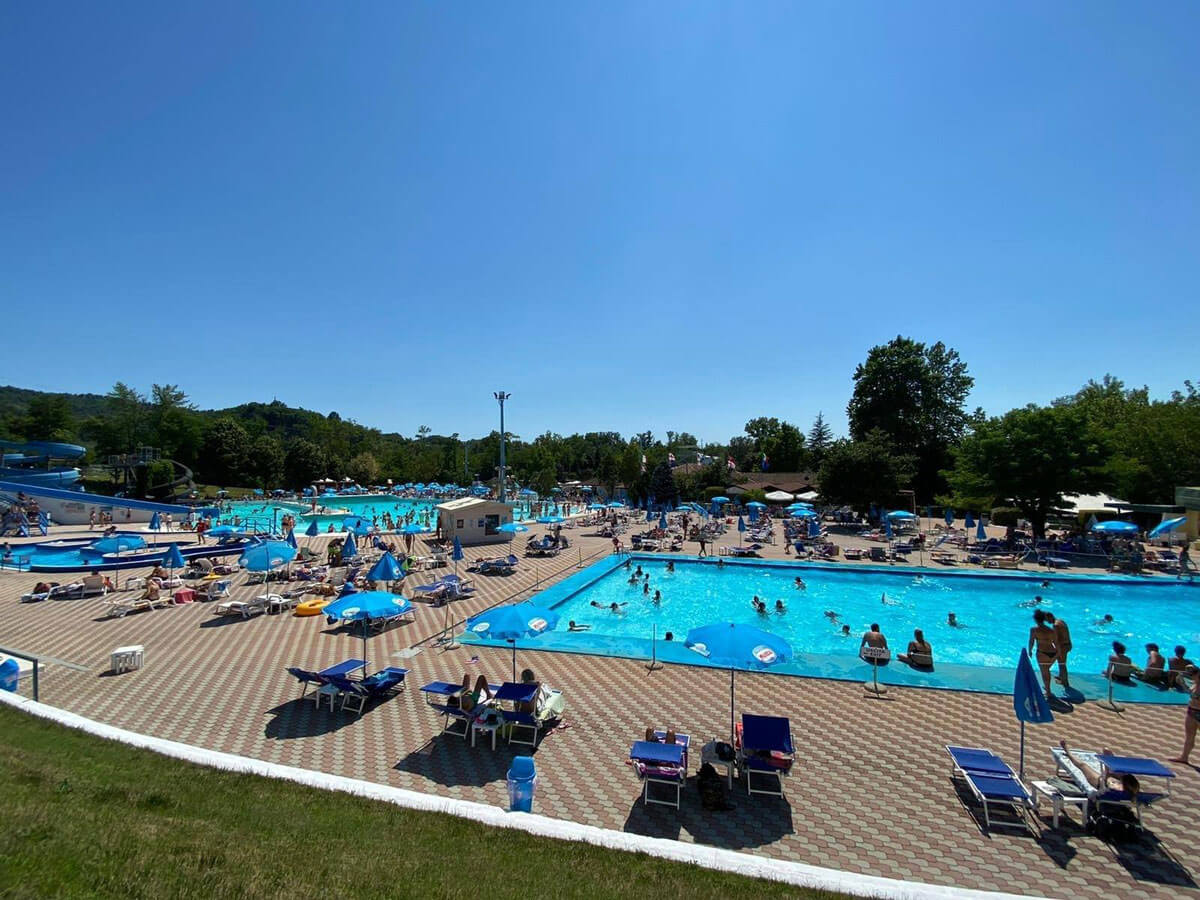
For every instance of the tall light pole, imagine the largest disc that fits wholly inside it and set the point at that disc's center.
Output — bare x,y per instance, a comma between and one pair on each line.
501,396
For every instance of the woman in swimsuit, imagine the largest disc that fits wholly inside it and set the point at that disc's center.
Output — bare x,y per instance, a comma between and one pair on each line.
1042,636
1192,722
1101,780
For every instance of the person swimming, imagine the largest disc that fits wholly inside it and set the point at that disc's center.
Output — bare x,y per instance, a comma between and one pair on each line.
720,563
845,631
1030,604
758,605
633,579
646,588
831,615
577,626
638,573
671,565
883,598
800,585
1106,620
779,607
657,597
952,621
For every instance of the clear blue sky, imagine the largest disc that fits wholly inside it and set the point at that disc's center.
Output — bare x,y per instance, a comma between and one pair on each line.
644,215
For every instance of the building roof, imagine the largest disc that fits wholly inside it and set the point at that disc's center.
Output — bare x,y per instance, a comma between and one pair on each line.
469,503
791,482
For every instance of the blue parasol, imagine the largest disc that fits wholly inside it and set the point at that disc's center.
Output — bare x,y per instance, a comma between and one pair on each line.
511,623
313,529
1115,527
1029,703
728,644
267,556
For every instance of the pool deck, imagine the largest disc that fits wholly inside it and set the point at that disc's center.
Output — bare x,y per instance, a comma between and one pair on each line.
870,792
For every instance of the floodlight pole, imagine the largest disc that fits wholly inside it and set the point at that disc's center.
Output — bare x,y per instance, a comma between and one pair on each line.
501,396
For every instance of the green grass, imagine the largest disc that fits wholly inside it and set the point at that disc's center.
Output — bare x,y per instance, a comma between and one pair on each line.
83,816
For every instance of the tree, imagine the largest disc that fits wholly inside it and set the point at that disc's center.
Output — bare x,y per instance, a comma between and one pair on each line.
916,395
223,455
662,486
781,442
265,461
820,436
122,428
49,418
303,463
859,473
173,425
544,481
363,468
1029,458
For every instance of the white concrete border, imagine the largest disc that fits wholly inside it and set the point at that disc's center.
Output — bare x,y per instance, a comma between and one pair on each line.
794,873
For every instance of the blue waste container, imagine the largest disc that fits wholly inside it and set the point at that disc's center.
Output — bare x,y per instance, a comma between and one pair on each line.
522,782
10,674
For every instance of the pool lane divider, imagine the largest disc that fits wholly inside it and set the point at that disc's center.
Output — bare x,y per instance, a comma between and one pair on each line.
715,858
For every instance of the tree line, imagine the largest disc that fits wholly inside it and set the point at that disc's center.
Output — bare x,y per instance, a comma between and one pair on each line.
911,440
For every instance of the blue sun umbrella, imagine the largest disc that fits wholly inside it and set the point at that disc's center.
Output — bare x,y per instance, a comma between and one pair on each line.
649,515
753,514
720,499
728,644
365,606
225,531
596,506
741,529
887,528
155,524
349,549
414,528
313,529
949,516
267,556
1115,527
1029,703
980,532
814,528
387,569
969,521
549,520
901,514
511,528
616,504
291,537
173,559
1168,526
662,521
511,623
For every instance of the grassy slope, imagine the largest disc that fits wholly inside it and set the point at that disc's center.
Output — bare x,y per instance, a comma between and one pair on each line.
83,816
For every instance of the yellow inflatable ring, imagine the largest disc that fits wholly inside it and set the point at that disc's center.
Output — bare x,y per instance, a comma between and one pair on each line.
313,607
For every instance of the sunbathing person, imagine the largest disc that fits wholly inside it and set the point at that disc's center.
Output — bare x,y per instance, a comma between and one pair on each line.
1176,666
1156,666
152,591
1119,664
472,697
920,653
1099,779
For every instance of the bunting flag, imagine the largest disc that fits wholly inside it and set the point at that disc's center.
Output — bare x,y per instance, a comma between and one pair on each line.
765,463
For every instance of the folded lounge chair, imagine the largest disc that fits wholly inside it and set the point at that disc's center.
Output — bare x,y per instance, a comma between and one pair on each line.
993,783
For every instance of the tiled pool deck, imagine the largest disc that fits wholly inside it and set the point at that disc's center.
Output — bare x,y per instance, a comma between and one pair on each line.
871,791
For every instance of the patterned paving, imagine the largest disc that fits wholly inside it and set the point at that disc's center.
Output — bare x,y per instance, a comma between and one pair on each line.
870,793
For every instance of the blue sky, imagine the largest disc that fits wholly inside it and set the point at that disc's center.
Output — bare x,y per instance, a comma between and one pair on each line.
644,215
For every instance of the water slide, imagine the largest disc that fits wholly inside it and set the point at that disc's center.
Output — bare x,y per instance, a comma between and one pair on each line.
30,462
74,507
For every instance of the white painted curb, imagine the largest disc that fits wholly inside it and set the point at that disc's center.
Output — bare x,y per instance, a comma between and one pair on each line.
795,873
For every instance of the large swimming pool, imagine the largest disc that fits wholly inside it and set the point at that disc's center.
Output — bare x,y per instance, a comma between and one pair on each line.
994,611
264,515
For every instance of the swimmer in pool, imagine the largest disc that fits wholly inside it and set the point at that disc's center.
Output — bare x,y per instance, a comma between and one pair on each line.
845,631
657,597
952,621
671,566
800,585
577,626
831,615
779,607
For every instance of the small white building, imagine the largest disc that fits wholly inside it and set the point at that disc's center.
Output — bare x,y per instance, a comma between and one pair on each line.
474,520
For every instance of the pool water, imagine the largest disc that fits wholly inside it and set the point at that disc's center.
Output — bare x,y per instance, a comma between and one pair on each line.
995,612
264,515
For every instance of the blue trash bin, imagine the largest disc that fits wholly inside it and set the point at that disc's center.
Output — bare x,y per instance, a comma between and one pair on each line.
522,782
10,674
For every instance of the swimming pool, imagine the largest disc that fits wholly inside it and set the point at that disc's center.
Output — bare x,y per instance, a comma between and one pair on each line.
995,612
264,515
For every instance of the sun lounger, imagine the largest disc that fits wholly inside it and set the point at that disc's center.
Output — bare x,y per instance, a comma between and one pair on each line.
660,763
547,706
306,679
217,590
765,750
993,783
443,696
505,566
92,586
38,596
243,608
355,694
125,605
1116,765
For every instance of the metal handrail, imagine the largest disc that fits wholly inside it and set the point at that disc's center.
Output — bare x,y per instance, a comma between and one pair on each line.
37,660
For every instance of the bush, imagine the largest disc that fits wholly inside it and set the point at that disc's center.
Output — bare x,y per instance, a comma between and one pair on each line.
754,494
1005,515
710,492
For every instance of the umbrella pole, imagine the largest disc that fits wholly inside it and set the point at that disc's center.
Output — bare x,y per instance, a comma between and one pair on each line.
732,730
364,645
1022,768
514,661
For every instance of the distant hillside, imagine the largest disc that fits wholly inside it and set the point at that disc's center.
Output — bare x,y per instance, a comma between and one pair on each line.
14,401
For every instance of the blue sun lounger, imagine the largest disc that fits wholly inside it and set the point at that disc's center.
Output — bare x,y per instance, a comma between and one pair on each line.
766,751
438,695
355,694
660,763
993,783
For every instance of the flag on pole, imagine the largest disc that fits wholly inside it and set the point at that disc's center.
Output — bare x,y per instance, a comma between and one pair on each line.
765,463
730,464
643,462
671,459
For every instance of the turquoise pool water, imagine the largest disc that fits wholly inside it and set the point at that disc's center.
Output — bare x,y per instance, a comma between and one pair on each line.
995,611
265,514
